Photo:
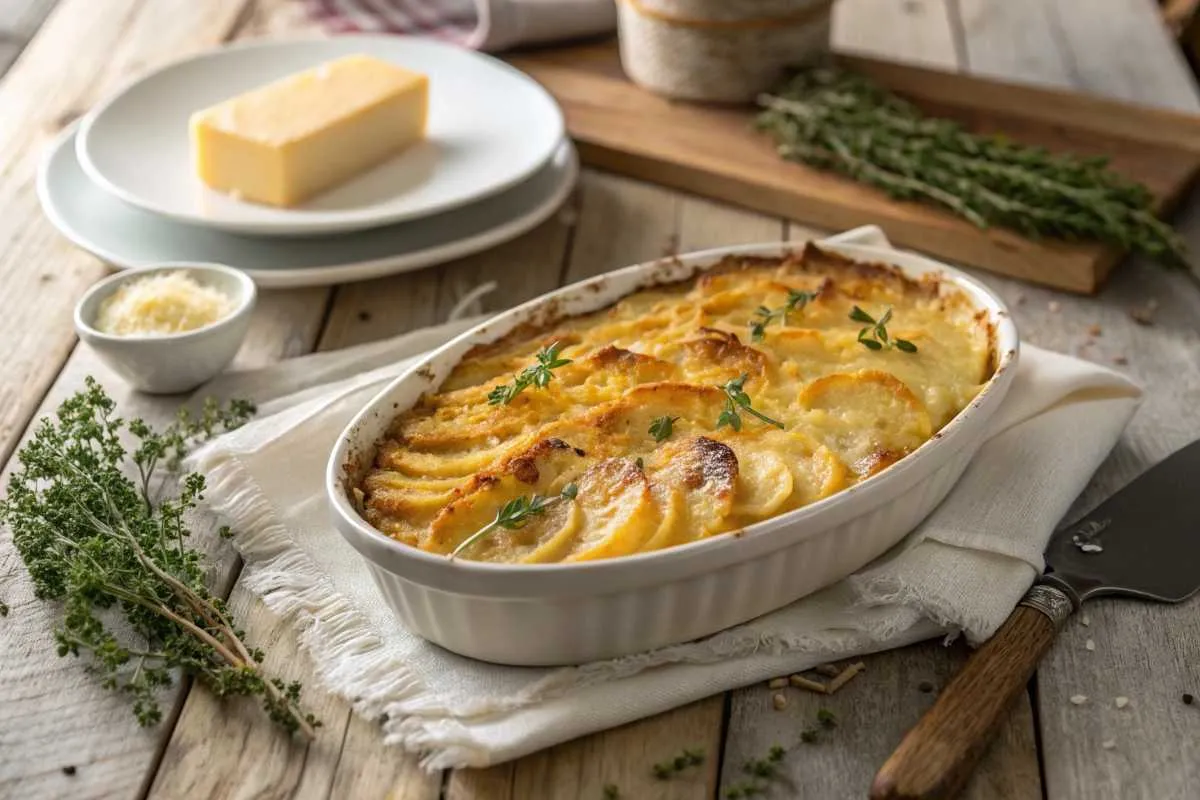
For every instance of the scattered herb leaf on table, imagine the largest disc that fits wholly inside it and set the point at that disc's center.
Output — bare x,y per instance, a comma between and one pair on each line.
93,536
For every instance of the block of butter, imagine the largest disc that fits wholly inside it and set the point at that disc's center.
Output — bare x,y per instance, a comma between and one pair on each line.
290,140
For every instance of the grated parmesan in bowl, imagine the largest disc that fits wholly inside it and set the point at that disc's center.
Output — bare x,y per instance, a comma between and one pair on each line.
162,304
167,328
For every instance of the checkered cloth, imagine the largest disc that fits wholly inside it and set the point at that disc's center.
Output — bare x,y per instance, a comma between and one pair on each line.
481,24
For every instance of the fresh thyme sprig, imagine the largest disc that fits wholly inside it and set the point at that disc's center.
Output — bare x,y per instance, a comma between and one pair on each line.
662,427
538,375
516,513
97,540
796,301
838,120
875,335
736,400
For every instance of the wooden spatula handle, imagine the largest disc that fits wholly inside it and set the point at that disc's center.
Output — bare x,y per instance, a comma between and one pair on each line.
937,756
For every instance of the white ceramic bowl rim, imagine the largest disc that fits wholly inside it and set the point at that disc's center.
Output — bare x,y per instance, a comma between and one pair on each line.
486,578
244,299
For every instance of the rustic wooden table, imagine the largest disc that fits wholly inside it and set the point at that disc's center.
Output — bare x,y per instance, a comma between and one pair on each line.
54,716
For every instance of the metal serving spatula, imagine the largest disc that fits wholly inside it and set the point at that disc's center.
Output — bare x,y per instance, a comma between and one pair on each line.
1143,542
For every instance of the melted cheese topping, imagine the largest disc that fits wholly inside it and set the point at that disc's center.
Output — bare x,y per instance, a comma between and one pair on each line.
160,304
848,412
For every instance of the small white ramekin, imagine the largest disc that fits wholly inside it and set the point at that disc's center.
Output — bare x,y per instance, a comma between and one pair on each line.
541,614
725,51
176,362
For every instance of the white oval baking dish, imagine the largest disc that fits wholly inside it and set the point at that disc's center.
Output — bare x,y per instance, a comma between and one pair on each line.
544,614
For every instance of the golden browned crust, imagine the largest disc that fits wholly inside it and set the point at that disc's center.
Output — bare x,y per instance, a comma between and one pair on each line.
449,464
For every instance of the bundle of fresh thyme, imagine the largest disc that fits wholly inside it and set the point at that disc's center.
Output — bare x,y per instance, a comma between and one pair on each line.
93,535
838,120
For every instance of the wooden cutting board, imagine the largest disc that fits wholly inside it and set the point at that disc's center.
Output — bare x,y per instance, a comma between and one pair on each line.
714,151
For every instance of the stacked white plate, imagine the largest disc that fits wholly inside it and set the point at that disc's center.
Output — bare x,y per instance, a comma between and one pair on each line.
495,163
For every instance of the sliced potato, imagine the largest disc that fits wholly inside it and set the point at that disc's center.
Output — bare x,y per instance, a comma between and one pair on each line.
542,469
618,514
717,356
450,464
406,483
410,505
626,422
868,418
764,483
705,471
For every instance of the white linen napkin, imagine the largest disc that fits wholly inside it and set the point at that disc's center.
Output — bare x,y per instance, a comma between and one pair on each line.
962,570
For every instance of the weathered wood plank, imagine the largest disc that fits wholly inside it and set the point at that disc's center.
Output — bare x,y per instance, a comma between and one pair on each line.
106,42
1038,46
897,687
621,222
521,269
1150,654
1121,49
623,757
913,31
55,713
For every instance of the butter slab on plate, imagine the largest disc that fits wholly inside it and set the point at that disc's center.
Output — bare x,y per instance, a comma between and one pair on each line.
126,237
489,128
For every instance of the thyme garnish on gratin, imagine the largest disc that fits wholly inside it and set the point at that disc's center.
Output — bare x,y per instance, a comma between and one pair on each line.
105,546
796,301
538,375
736,400
516,513
662,427
837,120
875,335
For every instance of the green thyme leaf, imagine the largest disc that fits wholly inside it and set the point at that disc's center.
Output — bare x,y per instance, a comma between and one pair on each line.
736,401
858,315
763,773
538,375
689,757
661,428
876,336
516,513
796,301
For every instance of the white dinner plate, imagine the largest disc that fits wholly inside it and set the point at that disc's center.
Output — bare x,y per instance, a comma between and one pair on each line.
127,237
490,127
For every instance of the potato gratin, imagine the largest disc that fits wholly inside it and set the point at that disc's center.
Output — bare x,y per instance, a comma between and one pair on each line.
680,412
